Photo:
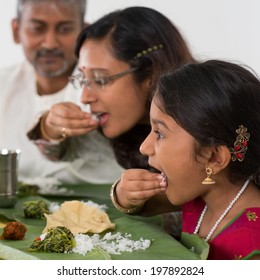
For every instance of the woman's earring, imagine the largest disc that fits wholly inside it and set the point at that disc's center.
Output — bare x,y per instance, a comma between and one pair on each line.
208,180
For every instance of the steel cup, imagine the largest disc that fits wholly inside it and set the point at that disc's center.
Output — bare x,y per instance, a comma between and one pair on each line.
8,177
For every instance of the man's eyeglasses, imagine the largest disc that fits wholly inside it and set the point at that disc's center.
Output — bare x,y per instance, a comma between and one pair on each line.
98,80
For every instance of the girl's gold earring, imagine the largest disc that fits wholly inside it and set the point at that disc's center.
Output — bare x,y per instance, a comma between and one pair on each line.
208,180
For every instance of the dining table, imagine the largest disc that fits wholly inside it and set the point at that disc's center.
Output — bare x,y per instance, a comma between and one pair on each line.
163,246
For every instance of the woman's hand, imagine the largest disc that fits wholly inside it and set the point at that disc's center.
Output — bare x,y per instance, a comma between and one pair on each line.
66,119
137,186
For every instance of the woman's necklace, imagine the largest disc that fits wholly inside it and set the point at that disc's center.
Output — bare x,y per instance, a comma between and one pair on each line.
223,214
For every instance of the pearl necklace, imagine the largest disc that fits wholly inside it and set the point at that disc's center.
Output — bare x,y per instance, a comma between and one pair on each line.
223,214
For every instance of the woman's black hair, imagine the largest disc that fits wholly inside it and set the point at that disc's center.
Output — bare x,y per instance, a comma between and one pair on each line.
136,29
130,32
210,100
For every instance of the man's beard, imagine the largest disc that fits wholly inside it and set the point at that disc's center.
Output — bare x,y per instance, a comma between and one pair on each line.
49,73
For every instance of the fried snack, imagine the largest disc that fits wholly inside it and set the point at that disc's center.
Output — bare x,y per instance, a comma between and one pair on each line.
79,218
14,231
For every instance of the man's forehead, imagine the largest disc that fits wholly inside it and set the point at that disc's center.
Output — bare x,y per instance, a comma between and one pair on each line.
47,10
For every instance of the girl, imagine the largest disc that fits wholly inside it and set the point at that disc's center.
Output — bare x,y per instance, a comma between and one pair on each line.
205,139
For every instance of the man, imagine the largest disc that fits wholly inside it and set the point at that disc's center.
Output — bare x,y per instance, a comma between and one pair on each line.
47,31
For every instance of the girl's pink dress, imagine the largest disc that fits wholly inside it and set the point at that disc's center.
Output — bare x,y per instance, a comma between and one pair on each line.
240,239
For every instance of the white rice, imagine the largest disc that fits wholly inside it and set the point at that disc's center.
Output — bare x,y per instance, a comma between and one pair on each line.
111,243
47,185
102,207
55,206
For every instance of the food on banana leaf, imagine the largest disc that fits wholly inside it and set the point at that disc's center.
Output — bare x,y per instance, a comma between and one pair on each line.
56,240
14,231
35,209
26,189
79,218
114,244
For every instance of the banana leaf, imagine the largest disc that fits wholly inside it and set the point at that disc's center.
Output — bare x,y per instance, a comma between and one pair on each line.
163,246
17,213
195,244
73,191
19,250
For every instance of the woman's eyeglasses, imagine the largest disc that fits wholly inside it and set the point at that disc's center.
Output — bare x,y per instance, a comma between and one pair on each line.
98,80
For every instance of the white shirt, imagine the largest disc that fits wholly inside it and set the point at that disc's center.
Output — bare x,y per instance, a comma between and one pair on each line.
93,161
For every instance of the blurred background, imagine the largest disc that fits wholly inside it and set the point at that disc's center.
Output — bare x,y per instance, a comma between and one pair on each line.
222,29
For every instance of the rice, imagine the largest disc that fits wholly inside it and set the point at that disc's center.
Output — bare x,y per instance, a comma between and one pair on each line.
111,243
84,244
102,207
47,185
55,206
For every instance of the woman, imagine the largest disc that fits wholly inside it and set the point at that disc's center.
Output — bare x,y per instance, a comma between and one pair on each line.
121,57
205,139
138,44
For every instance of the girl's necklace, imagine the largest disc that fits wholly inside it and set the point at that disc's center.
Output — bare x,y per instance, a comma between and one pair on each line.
220,219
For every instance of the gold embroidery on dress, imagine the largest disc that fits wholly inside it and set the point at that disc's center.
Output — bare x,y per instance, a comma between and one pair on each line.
251,216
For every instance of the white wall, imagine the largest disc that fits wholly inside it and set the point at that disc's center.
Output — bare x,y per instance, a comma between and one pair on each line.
224,29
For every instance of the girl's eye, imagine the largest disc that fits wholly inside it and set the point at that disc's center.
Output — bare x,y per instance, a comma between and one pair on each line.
160,136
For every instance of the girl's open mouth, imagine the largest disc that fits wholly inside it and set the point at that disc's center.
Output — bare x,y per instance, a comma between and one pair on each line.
164,178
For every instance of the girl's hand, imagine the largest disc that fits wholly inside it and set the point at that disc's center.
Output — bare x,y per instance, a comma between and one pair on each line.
137,186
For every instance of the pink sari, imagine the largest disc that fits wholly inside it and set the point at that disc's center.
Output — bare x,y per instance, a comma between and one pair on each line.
240,239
